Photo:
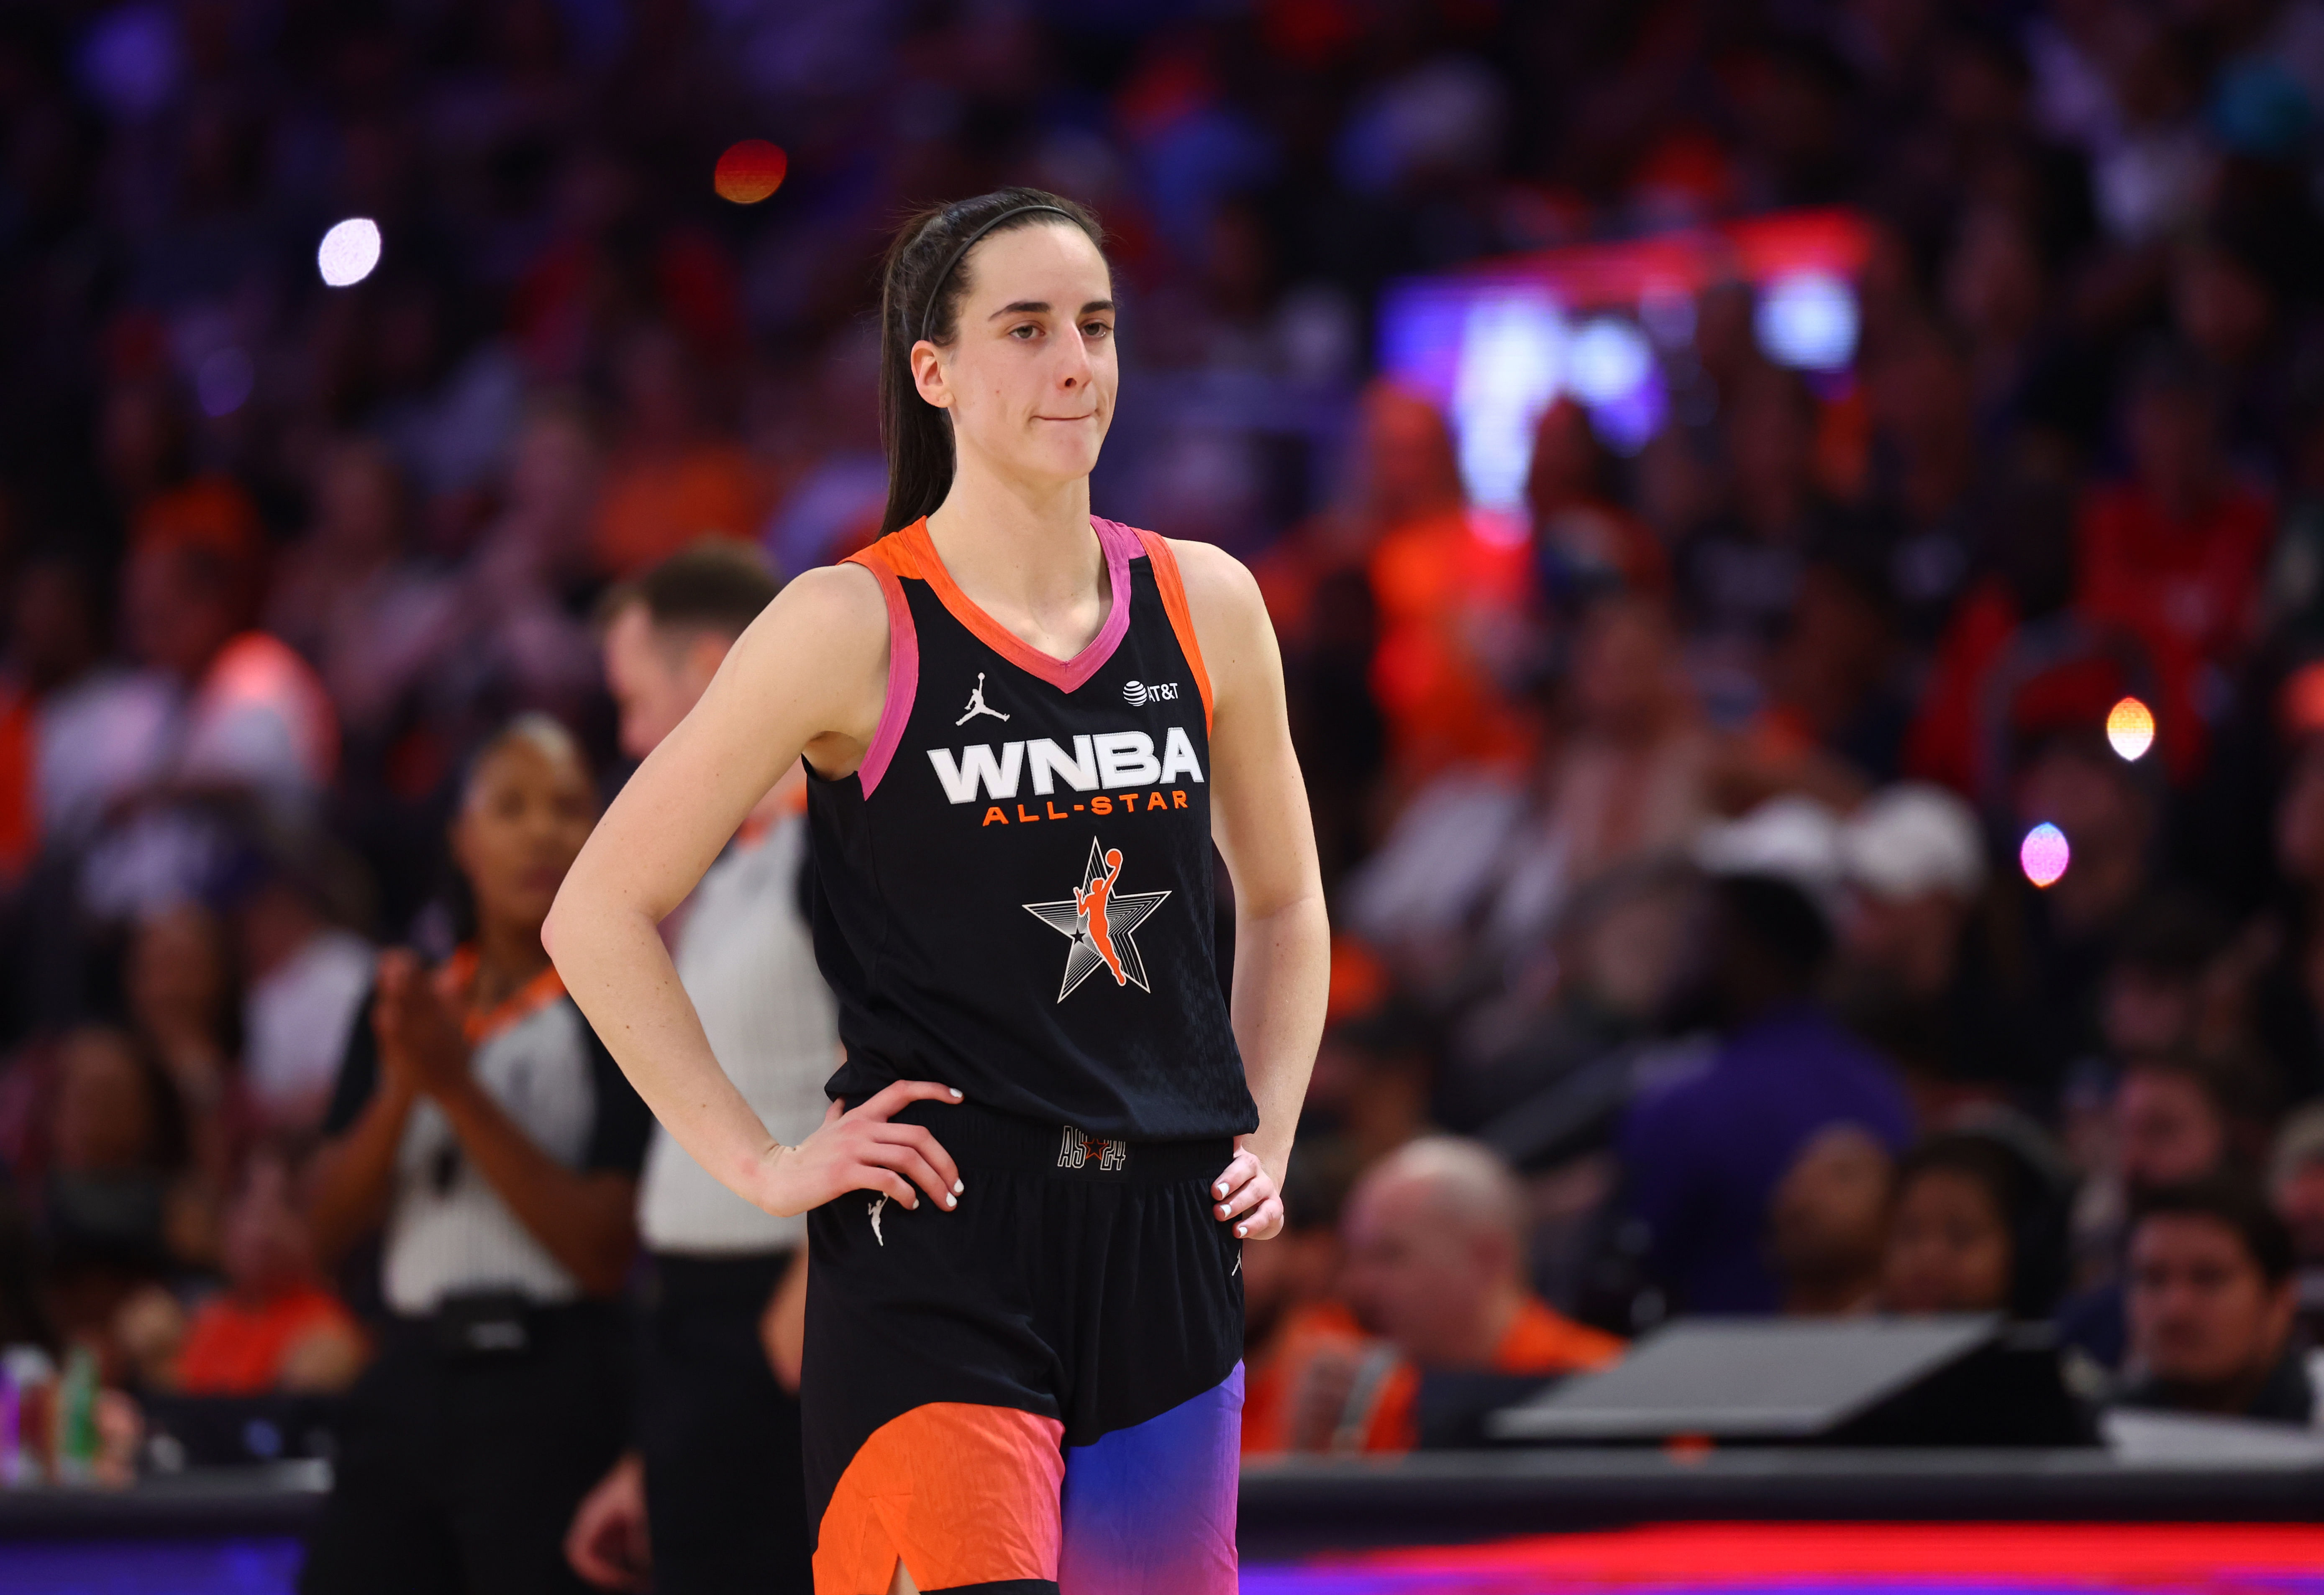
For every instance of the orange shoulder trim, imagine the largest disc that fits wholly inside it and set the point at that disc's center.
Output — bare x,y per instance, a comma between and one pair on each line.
1172,588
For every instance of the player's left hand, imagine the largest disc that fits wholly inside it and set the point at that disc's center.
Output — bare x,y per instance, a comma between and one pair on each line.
1246,1196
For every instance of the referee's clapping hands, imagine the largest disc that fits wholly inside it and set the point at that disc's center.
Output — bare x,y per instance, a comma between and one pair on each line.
420,1037
859,1148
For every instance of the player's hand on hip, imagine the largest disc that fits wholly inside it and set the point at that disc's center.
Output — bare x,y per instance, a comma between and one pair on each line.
861,1149
1245,1196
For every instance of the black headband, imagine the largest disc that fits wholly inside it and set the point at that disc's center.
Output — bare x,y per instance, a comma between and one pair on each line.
936,290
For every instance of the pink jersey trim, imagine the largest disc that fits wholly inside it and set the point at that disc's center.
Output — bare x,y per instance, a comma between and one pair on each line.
903,670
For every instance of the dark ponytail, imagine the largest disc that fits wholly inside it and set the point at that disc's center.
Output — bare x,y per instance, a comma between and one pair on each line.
920,288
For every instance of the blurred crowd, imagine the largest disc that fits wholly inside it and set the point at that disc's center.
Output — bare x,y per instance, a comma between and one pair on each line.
1697,949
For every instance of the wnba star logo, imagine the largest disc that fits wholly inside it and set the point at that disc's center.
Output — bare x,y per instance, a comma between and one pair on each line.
1098,921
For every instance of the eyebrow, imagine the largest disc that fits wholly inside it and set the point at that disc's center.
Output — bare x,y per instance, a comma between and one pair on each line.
1041,308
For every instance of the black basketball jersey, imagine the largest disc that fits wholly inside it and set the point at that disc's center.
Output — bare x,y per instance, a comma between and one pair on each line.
1014,893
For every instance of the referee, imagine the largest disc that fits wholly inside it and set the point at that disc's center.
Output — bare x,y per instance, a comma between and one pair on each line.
482,1130
721,1503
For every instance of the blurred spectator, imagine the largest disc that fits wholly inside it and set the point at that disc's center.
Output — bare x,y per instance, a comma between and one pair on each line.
1435,1240
1452,590
669,478
111,1205
350,597
2175,552
1626,780
1826,1221
274,1326
2171,1127
1290,1312
1919,973
1977,1225
304,977
1586,542
1705,1152
2296,1190
2211,1306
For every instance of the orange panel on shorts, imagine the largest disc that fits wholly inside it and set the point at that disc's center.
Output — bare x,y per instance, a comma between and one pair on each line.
964,1494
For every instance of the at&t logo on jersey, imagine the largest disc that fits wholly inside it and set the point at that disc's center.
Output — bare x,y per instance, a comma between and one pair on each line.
1135,692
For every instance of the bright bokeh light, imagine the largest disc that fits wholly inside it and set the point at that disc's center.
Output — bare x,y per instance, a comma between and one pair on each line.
2130,727
349,252
750,170
1512,363
1808,320
1607,361
2043,855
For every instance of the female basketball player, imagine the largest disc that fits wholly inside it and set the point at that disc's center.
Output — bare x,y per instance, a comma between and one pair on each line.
1026,728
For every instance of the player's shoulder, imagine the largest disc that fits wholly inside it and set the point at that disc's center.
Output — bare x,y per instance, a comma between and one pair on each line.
833,599
1217,582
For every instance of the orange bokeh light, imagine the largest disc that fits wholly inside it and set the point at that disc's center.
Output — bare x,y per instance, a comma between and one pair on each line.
750,170
2130,728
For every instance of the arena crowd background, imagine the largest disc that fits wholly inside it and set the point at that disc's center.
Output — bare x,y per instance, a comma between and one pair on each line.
1718,469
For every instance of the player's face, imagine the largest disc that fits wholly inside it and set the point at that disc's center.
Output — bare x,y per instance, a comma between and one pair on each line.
1030,378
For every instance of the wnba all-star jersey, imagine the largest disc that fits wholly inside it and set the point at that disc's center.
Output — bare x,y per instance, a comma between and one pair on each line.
1014,891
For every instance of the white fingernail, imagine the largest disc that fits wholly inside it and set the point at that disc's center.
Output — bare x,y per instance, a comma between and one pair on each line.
1242,1230
956,1092
1219,1189
950,1203
957,1187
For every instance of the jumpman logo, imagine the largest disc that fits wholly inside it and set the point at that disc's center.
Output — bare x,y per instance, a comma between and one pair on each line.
1099,919
977,706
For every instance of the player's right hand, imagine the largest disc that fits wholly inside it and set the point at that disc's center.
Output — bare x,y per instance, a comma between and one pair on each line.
859,1148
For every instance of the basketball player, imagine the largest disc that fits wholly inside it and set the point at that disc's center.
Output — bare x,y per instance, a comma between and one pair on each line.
1029,1194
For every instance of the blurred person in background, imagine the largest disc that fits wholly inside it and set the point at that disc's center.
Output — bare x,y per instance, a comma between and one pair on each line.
1292,1308
2212,1306
715,1491
110,1205
669,477
2286,940
274,1326
2295,1188
1585,541
1480,864
1450,599
1977,1225
2175,551
349,595
2171,1125
251,723
2111,816
180,985
1702,1154
1434,1241
483,1132
1918,973
306,974
1826,1222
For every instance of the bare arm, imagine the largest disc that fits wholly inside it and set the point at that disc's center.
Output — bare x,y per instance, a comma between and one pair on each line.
355,1172
1260,821
808,676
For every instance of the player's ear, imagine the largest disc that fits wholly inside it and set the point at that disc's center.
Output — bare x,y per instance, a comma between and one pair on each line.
929,374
